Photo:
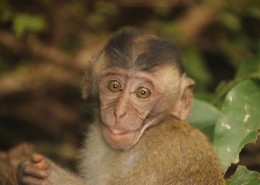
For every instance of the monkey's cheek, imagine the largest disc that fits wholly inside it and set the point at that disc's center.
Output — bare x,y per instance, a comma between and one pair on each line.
118,139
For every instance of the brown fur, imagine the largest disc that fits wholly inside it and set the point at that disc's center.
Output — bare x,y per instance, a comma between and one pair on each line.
172,152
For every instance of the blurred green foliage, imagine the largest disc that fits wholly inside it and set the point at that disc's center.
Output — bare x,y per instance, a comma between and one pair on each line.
24,22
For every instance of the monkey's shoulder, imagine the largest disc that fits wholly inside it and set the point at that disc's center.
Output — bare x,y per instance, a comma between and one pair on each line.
175,150
177,137
171,128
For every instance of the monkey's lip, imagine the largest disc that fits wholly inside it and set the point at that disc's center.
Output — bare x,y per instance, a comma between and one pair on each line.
115,131
119,138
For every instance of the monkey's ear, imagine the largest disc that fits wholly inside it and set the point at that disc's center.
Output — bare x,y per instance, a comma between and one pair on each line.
184,102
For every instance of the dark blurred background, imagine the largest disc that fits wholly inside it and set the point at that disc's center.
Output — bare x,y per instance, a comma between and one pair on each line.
45,46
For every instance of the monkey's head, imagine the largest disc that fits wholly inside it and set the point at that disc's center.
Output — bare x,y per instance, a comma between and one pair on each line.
138,79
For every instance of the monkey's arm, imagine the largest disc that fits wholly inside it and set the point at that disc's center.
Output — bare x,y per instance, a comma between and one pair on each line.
41,171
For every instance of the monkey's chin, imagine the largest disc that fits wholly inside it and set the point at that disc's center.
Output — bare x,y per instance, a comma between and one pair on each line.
119,139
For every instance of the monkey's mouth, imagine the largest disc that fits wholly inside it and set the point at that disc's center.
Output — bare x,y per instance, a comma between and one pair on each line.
115,131
119,139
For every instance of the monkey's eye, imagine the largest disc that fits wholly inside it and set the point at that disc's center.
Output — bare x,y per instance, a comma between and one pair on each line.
114,86
143,93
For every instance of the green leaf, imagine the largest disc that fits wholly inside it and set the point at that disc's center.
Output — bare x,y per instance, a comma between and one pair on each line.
239,121
222,89
245,177
204,116
249,69
25,22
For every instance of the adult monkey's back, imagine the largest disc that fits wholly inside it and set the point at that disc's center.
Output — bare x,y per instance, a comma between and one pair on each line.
140,135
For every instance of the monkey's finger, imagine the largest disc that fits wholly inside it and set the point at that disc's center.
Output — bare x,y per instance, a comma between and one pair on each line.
34,181
39,162
37,158
43,165
34,172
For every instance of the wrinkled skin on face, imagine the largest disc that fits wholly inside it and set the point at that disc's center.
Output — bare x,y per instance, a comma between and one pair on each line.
136,79
131,102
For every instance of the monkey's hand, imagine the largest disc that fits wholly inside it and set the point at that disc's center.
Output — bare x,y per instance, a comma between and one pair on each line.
33,171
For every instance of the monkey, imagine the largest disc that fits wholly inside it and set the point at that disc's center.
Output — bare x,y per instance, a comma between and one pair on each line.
140,134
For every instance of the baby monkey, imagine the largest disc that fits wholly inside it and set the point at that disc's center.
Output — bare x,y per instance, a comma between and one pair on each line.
140,134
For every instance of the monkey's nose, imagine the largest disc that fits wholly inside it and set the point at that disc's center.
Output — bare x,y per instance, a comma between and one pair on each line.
121,109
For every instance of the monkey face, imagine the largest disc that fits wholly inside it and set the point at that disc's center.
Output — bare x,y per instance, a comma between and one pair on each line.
129,103
137,79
